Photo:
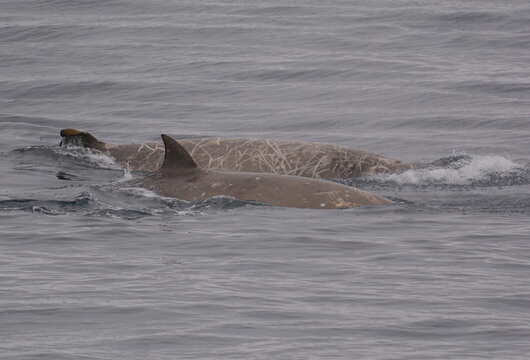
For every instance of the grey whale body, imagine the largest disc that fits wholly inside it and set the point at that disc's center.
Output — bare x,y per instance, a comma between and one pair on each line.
180,177
282,157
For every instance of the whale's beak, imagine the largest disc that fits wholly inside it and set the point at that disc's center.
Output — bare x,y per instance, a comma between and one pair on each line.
74,137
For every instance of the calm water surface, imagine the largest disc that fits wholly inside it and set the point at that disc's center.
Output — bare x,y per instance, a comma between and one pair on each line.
92,270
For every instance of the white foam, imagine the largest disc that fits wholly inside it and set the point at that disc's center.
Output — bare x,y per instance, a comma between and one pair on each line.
479,168
94,157
138,191
127,176
141,192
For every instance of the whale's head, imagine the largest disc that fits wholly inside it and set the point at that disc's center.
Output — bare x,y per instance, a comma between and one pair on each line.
74,137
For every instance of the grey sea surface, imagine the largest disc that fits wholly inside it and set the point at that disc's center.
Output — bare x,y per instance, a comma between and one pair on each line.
93,269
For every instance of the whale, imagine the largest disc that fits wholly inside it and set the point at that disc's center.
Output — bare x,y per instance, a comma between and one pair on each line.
181,177
281,157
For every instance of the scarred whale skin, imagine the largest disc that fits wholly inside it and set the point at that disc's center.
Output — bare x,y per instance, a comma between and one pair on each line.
283,157
180,177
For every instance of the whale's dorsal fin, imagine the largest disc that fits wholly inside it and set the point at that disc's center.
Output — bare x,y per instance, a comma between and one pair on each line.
176,156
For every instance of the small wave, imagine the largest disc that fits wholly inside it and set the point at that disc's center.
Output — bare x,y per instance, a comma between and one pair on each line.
472,17
65,89
308,74
74,4
127,214
17,33
497,88
7,119
100,204
48,207
281,10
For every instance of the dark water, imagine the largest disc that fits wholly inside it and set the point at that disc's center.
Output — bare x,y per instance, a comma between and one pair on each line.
92,270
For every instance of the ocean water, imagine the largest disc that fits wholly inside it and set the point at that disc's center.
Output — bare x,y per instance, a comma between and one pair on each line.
91,269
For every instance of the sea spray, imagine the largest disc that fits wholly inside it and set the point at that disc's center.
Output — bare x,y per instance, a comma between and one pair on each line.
478,169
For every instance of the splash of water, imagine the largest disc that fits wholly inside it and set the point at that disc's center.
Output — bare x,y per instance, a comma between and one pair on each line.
89,156
477,169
